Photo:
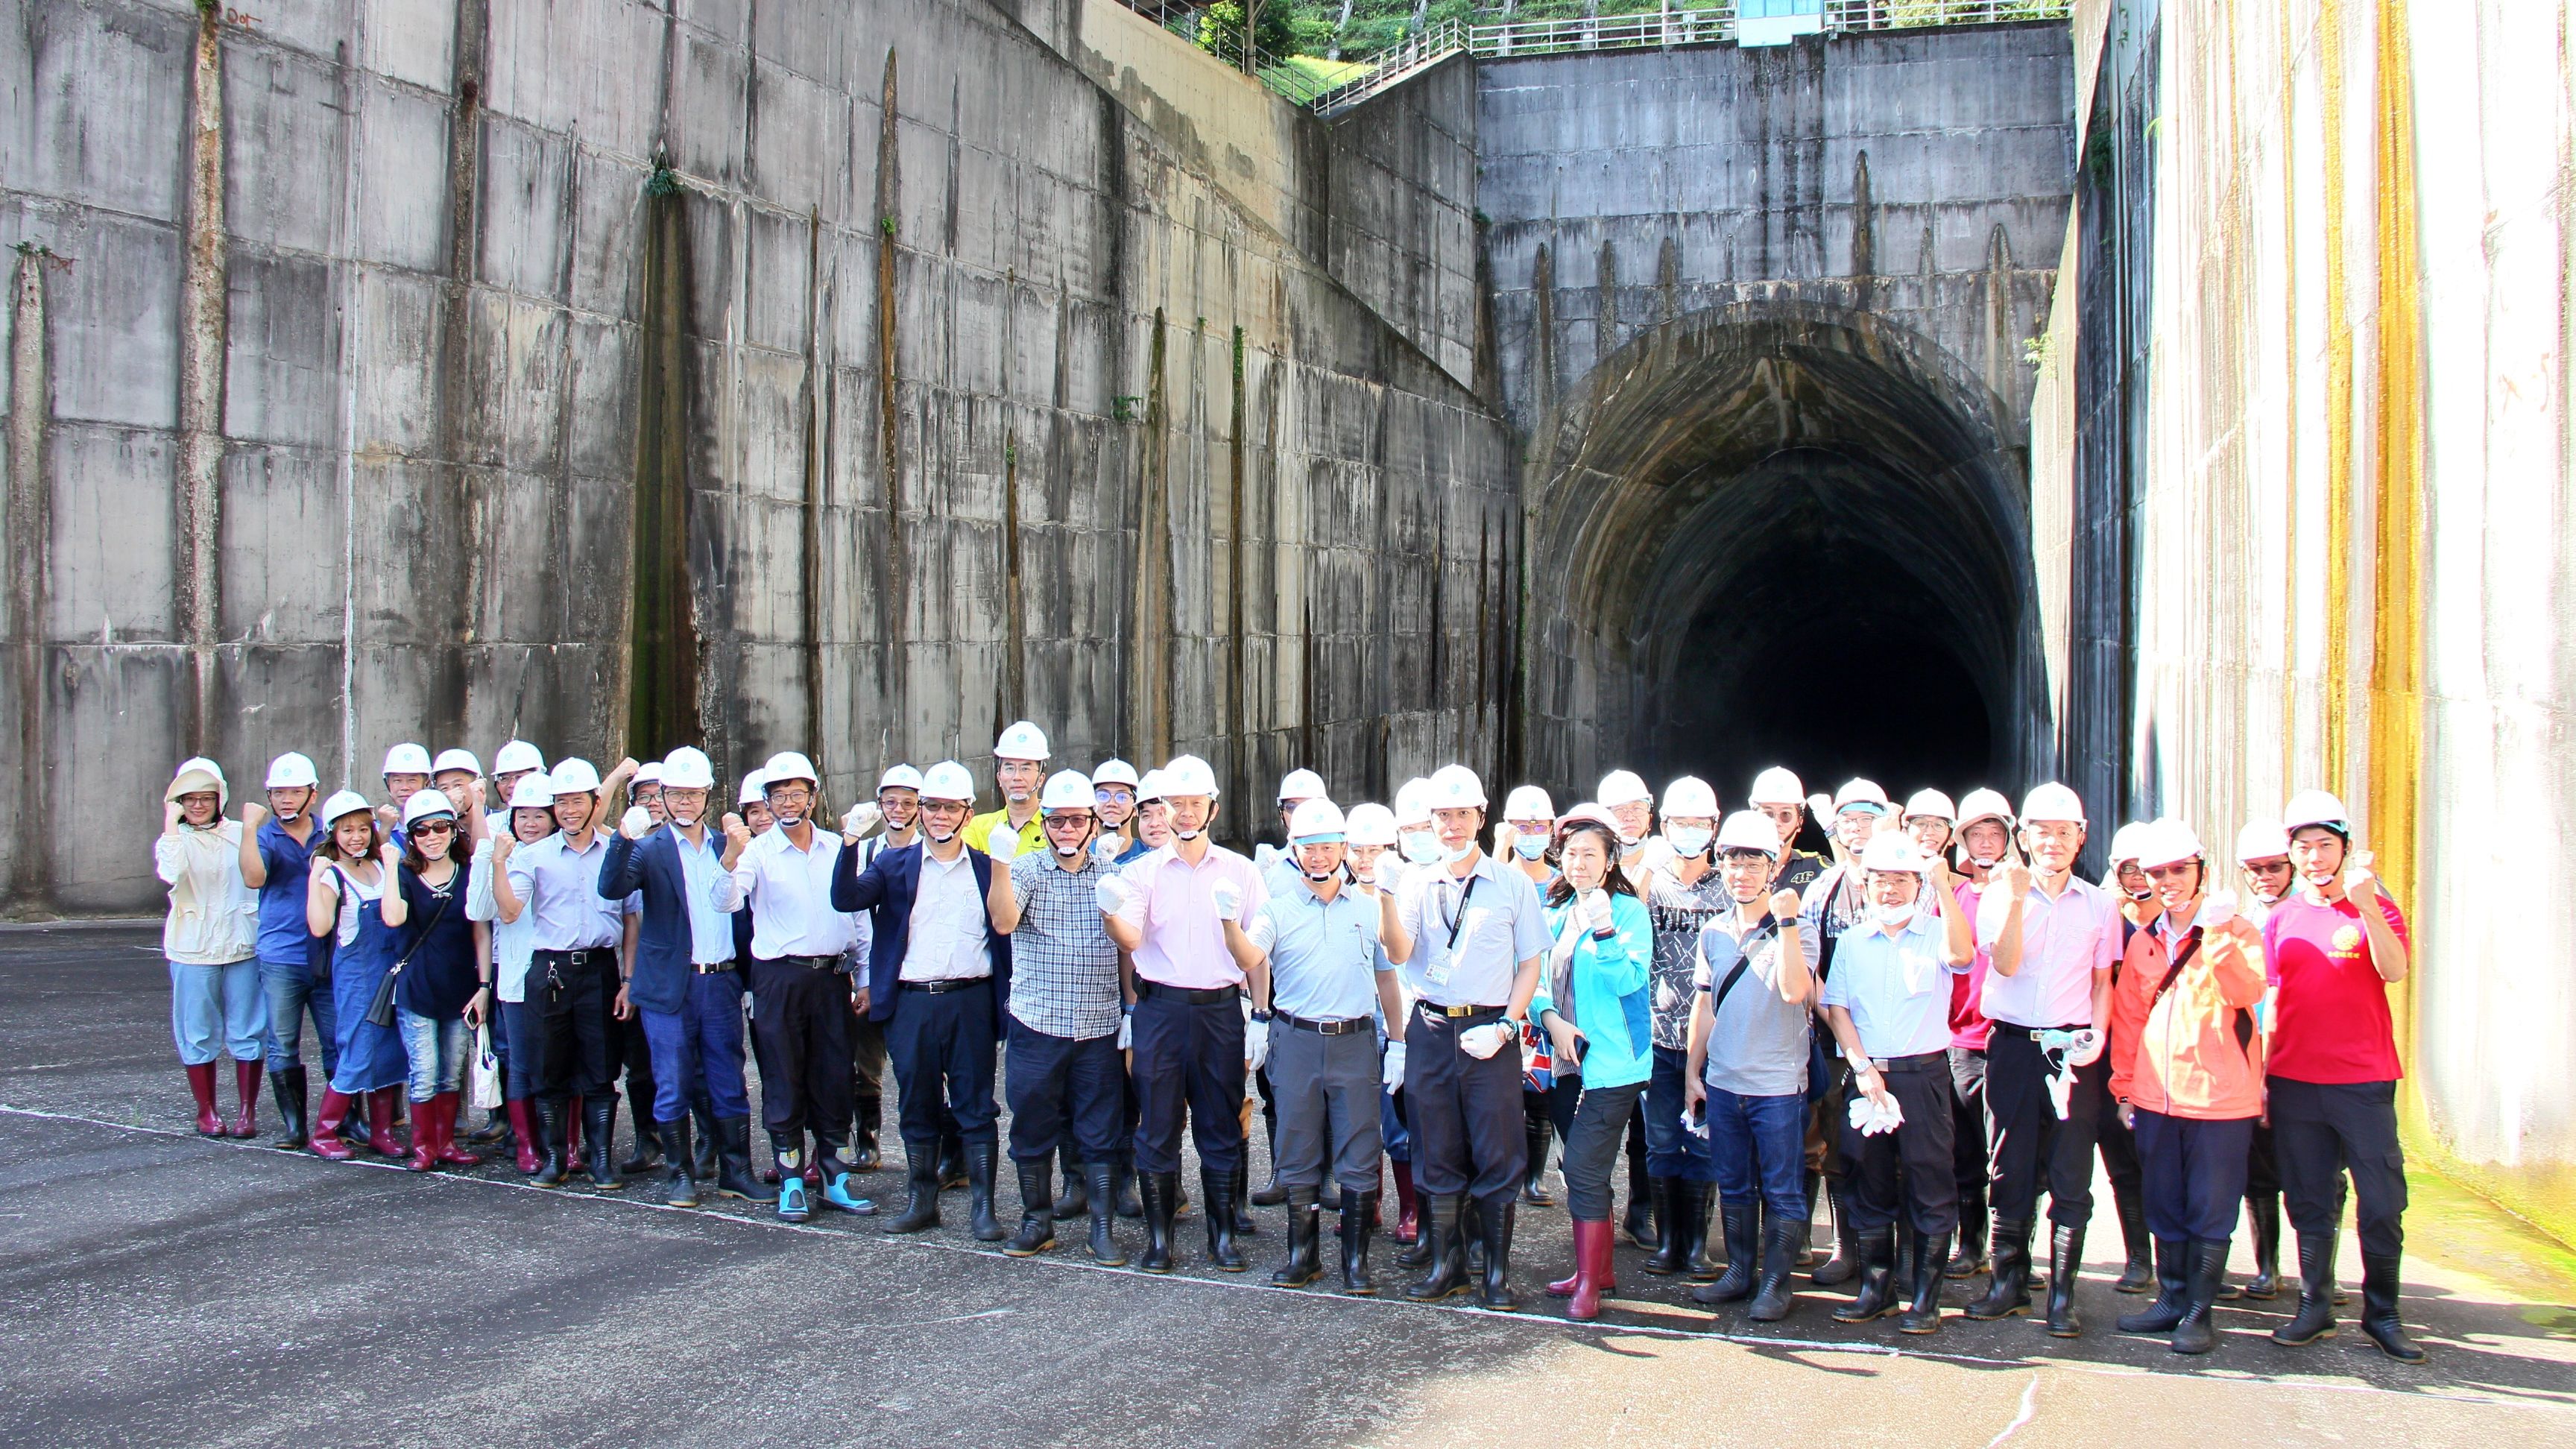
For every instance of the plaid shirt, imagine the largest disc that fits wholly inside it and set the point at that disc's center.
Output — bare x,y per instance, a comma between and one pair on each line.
1064,967
1678,911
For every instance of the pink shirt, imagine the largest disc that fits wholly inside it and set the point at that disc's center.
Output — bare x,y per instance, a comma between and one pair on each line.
1184,945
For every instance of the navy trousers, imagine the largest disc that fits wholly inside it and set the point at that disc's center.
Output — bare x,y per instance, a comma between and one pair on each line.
1670,1150
941,1048
1188,1055
1060,1087
1465,1114
2192,1173
698,1051
800,1017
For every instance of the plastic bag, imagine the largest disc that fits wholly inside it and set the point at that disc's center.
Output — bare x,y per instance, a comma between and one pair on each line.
483,1080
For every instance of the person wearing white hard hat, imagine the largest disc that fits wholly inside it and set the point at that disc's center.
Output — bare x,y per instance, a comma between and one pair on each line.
2263,860
1594,1002
529,817
2127,884
630,1047
440,995
2187,1077
277,862
801,1002
2263,855
1777,793
1417,840
1065,1080
939,986
1177,914
1471,936
1980,842
1527,832
1683,891
1929,820
1834,902
684,984
1747,1066
1369,835
350,903
898,809
1114,787
210,939
407,771
454,774
644,790
513,762
1329,985
2052,939
1624,794
1019,767
1278,871
1888,1005
2334,947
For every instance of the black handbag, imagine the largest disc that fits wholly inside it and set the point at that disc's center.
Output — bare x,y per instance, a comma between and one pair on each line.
380,1012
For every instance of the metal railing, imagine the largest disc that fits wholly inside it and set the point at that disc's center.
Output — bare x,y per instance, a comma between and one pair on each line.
1435,44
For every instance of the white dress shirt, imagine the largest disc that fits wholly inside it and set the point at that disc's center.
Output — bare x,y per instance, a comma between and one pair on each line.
2063,942
790,892
948,929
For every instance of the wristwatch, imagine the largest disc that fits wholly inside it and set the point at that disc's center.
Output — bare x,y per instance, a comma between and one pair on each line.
1261,1013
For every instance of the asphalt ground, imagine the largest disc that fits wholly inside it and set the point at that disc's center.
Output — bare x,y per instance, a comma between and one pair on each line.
160,1287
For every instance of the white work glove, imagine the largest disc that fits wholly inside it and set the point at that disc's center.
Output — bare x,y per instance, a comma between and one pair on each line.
1104,850
1596,910
2084,1048
1126,1033
1386,871
1481,1042
1003,844
1118,898
1256,1044
2216,910
1391,1073
1871,1115
862,818
1229,900
1264,853
636,823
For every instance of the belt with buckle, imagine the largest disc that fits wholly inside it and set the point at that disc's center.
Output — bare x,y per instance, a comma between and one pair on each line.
1919,1062
945,985
1457,1013
2032,1033
587,955
1330,1028
711,968
1204,997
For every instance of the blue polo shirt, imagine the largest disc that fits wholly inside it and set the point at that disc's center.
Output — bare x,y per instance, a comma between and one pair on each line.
283,933
1324,955
1896,987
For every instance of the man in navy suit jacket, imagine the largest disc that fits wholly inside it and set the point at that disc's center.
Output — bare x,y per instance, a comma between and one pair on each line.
683,982
939,979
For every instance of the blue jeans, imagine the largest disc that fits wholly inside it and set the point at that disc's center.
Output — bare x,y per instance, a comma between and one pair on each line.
697,1051
518,1023
1671,1151
1760,1140
217,1009
291,993
437,1046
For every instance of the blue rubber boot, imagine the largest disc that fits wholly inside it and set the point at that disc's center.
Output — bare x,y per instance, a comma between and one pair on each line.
791,1197
836,1191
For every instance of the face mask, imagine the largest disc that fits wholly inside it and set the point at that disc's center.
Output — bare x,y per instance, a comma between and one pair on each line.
1189,834
1689,840
1891,917
1985,862
1528,847
1068,851
1461,853
1421,847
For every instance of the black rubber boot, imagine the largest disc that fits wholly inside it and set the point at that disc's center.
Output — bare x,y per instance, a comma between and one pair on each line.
1222,1208
707,1162
1305,1223
2173,1291
2263,1214
1272,1194
1496,1294
1737,1282
2315,1318
979,1194
734,1177
648,1138
1417,1252
1129,1204
867,1115
674,1137
1539,1132
1772,1299
288,1088
2379,1284
1812,1182
2140,1273
1037,1208
1670,1244
1877,1296
921,1193
1971,1257
2065,1265
1160,1191
1359,1212
952,1161
599,1132
1923,1306
2204,1268
2008,1291
1698,1202
1442,1248
1239,1187
1639,1220
1846,1259
549,1112
1076,1199
1103,1196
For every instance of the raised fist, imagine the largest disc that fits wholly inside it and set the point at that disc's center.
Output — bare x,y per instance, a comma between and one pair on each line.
1784,905
636,824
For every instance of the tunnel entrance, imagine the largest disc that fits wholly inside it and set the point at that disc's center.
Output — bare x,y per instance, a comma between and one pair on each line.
1783,537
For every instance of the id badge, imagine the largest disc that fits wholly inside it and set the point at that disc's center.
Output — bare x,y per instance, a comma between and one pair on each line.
1438,975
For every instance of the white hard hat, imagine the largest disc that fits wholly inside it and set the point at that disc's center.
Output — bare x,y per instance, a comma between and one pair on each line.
1895,853
1455,787
199,774
515,756
1151,787
1776,786
1114,772
407,760
1932,803
344,803
425,804
2262,840
1022,741
2051,801
534,790
457,760
1622,787
1189,775
1413,803
1586,812
1370,824
575,776
2315,807
1301,785
649,773
290,771
1984,804
1528,802
788,765
1859,794
1749,830
688,768
901,777
948,780
1692,798
1065,790
2127,840
1316,821
755,789
2168,842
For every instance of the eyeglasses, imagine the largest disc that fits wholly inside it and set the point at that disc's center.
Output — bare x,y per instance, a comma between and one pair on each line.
1114,797
435,827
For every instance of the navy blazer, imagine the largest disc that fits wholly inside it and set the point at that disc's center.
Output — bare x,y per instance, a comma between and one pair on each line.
666,947
885,890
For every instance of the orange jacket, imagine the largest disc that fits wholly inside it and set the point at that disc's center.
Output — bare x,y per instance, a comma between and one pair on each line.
2180,1053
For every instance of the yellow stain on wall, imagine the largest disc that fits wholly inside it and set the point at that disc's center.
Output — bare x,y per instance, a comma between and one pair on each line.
2334,706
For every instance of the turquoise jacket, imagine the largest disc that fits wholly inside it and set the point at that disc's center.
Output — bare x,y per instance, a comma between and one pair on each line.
1613,999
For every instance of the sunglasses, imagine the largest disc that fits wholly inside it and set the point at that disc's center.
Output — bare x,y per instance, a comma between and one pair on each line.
435,827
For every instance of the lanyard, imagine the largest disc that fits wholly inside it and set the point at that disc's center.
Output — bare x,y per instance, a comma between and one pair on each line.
1458,922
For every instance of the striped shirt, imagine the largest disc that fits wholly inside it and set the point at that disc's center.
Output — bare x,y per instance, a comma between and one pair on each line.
1064,967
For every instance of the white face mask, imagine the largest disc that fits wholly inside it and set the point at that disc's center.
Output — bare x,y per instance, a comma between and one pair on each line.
1461,853
1689,840
1529,847
1891,917
1421,847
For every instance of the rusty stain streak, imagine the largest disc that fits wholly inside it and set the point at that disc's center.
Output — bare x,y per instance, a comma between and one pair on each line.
892,580
202,330
30,526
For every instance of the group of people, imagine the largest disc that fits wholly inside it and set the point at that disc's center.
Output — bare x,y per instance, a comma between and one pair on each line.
1934,1026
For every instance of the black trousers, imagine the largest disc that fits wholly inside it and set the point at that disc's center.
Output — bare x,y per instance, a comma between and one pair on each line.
1922,1147
1188,1057
2322,1131
1464,1114
2263,1167
2119,1148
570,1052
1968,1163
1059,1089
635,1055
2194,1175
2031,1148
800,1020
867,1073
1601,1121
940,1045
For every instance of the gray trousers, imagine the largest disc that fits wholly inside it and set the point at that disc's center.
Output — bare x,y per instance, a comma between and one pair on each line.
1317,1081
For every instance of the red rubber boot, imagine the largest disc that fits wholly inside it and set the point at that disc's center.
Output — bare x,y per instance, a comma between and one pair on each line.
1408,1217
523,1130
327,1121
245,1086
201,1085
380,1123
442,1108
